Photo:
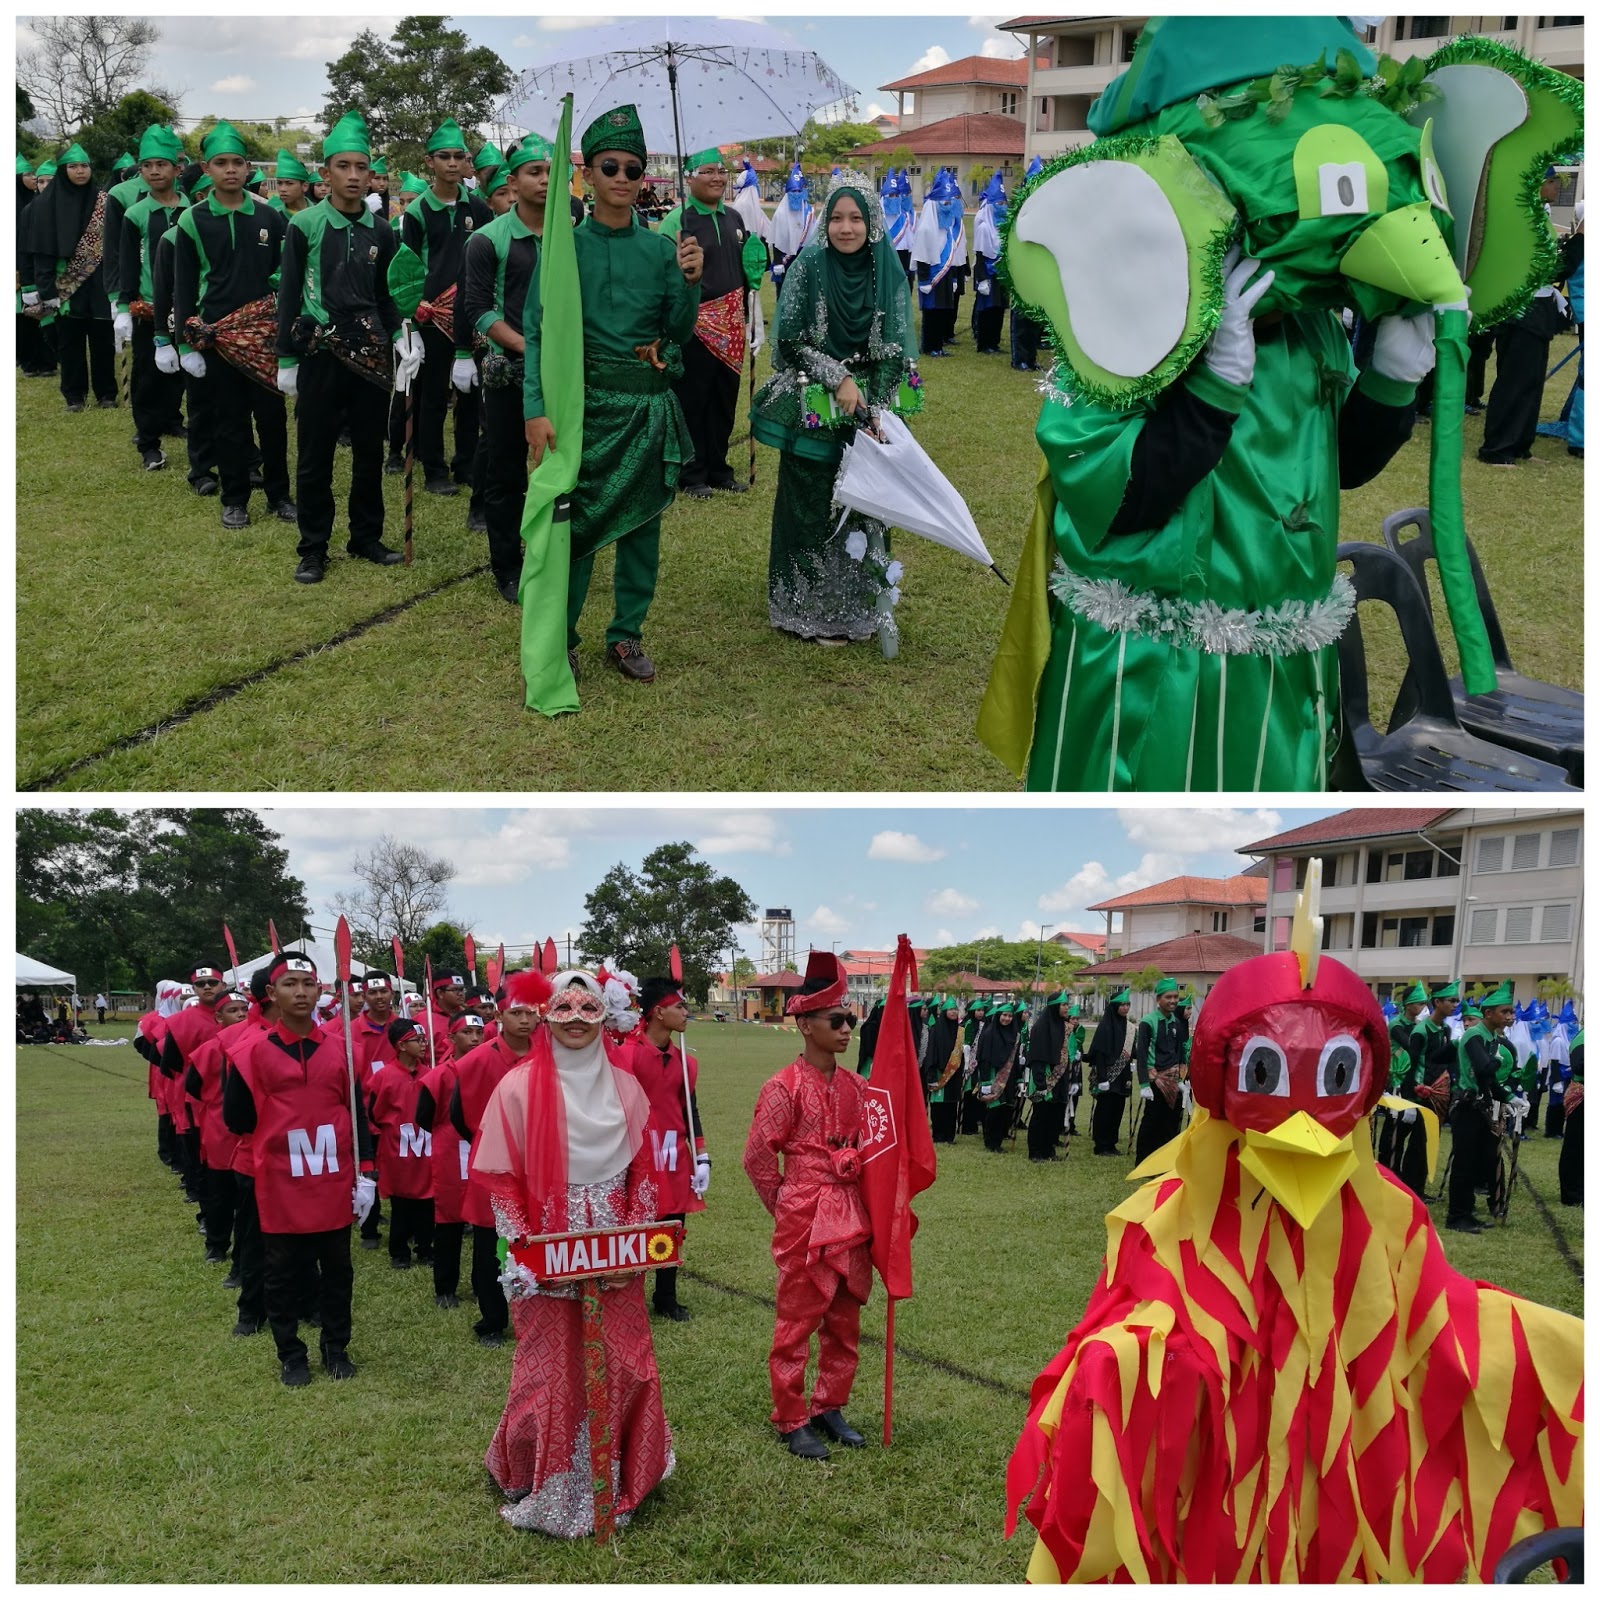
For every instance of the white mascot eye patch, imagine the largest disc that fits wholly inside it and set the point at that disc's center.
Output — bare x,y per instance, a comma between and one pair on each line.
1339,1067
1343,188
1262,1068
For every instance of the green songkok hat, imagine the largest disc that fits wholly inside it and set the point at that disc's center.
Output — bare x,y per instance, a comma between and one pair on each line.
496,180
256,176
348,136
1061,999
410,183
380,167
1120,998
1074,1010
291,168
45,169
490,157
24,167
447,136
1500,995
124,162
1166,986
160,144
73,154
1416,995
222,140
617,129
1449,991
204,186
532,148
703,158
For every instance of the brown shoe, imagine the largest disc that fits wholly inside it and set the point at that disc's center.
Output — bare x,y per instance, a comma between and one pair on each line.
628,657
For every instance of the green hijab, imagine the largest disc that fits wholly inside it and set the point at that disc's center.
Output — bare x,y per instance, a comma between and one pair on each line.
853,287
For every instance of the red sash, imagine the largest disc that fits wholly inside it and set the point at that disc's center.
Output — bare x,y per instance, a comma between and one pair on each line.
720,328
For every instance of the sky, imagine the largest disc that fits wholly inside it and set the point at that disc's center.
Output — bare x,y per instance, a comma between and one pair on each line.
854,878
254,68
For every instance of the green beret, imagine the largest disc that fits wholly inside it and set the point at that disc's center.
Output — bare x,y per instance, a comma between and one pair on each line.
24,167
617,129
703,158
1120,998
348,136
532,148
291,168
447,136
222,140
1500,995
160,144
125,162
45,169
490,157
73,155
379,167
1449,991
496,180
1166,986
1416,995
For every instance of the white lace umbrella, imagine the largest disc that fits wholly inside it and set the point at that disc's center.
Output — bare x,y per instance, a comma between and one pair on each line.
897,482
702,81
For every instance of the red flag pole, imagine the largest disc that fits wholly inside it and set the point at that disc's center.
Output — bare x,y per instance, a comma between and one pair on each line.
233,955
427,1008
341,948
888,1377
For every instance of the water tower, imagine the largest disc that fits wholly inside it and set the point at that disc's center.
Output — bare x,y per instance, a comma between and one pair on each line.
777,939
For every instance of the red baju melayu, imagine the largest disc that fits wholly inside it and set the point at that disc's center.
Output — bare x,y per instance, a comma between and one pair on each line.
450,1150
187,1030
821,1236
369,1044
234,1041
405,1151
152,1028
217,1145
478,1073
660,1074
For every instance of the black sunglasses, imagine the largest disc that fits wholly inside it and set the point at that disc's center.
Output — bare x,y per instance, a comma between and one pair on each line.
841,1019
633,172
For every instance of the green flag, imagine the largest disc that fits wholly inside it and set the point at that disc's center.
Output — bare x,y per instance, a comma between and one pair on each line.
546,530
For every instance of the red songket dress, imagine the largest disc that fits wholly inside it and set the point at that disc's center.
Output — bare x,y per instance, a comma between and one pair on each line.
539,1455
821,1235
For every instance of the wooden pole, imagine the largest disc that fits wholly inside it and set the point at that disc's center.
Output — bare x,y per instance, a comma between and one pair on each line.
888,1377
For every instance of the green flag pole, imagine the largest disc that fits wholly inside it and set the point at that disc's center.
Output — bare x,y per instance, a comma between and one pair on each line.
555,311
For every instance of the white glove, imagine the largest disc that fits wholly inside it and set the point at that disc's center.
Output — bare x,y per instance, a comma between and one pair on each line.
374,202
1232,351
1408,1115
777,270
407,358
193,363
289,380
121,329
463,373
985,286
1102,1087
701,1181
1519,1107
30,297
365,1197
167,359
1403,349
1147,1093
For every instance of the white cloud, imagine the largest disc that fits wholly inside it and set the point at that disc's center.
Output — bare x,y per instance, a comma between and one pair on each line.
951,903
996,43
306,38
934,56
944,936
893,846
989,932
828,922
569,23
237,84
1005,49
872,110
1092,883
1197,830
743,833
1028,929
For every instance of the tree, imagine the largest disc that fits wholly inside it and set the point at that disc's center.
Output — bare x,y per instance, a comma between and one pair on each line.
744,969
1006,961
902,156
407,86
403,890
120,128
82,66
675,898
260,138
444,944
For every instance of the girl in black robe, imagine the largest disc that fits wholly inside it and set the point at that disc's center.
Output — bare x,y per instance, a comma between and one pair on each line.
1110,1075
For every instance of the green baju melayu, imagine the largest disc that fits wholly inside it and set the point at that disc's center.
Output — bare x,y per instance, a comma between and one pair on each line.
839,316
635,441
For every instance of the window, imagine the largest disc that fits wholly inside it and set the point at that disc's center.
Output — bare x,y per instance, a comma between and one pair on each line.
1447,862
1374,866
1330,871
1426,27
1418,864
1285,874
1414,932
1130,40
1492,854
1480,930
1564,848
1258,923
1369,930
1519,925
1525,851
1338,931
1219,921
1444,928
1008,104
1556,924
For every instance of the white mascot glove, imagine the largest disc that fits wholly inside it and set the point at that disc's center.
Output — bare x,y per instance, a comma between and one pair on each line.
1407,1116
701,1181
407,358
289,380
167,359
1403,348
1147,1093
1520,1107
1232,351
30,297
121,330
366,1195
985,287
193,363
1100,1088
463,373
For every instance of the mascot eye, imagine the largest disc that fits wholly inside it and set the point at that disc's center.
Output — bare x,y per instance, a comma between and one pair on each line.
1337,174
1339,1067
1262,1068
1342,188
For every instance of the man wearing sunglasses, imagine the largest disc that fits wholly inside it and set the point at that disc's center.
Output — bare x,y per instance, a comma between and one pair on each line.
641,295
810,1115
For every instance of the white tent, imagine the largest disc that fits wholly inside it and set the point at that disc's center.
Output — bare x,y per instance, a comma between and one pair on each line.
36,975
324,957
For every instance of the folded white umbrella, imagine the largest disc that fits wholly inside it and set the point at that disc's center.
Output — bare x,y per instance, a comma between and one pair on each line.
896,482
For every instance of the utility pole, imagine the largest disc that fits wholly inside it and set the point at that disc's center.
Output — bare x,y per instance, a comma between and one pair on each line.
1038,957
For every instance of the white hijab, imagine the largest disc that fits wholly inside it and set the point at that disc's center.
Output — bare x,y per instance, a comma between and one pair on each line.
169,997
598,1146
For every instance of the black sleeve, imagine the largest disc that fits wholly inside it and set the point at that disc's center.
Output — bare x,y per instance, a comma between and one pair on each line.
1370,434
426,1109
476,294
238,1105
192,1084
1179,445
126,287
185,282
44,264
1575,1062
363,1131
1571,257
1483,1060
1141,1054
171,1058
111,237
388,312
161,285
696,1126
146,1049
458,1118
291,281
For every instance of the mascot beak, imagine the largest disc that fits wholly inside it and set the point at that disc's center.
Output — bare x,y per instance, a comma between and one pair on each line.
1300,1164
1404,252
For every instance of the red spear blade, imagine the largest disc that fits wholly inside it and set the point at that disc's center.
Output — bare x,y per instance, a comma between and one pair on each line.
341,949
399,958
494,975
233,955
500,958
675,965
470,948
547,963
272,934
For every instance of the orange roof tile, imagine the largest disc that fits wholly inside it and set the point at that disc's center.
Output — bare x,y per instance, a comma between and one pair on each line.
1243,890
1374,822
969,69
972,133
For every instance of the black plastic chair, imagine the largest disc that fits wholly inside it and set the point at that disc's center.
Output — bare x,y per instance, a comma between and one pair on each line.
1540,719
1426,749
1526,1556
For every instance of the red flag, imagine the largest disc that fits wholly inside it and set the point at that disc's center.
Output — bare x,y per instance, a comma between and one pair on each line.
493,974
341,950
233,955
498,970
897,1160
675,965
547,962
272,934
470,949
399,958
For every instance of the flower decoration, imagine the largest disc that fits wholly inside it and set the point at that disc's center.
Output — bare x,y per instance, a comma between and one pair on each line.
855,544
659,1247
812,420
914,379
847,1164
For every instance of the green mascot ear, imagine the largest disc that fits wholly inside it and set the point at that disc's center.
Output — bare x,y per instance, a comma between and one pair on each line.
1118,247
1498,120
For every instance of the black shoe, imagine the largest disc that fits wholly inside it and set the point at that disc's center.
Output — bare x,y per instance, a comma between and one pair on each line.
804,1443
338,1365
314,1320
492,1339
285,510
446,1302
204,486
248,1328
296,1374
424,1260
508,591
628,657
445,486
154,460
673,1313
235,517
107,405
180,431
698,491
1465,1225
310,570
215,1258
74,405
233,1281
833,1424
733,486
369,1244
379,554
477,522
400,1263
395,464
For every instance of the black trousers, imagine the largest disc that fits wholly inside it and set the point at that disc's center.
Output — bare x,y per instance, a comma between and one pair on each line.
942,1116
217,1206
1025,337
166,1140
157,396
1107,1124
87,353
987,326
1479,346
1044,1129
1512,420
201,442
188,1164
1570,1167
1384,1148
447,1256
708,391
412,1223
235,402
1411,1154
664,1295
35,354
997,1118
937,326
290,1258
1158,1123
369,1227
333,397
504,453
1555,1116
249,1251
1471,1153
492,1313
434,394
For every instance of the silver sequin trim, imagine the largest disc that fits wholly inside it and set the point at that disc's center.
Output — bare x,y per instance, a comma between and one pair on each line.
564,1507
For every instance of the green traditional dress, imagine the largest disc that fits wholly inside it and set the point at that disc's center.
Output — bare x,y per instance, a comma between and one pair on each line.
839,316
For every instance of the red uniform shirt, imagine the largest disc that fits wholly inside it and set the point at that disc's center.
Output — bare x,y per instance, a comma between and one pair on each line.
660,1072
369,1044
233,1040
405,1151
450,1150
188,1030
478,1073
217,1145
152,1027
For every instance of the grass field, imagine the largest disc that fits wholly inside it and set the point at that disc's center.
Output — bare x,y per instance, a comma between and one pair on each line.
152,1447
156,651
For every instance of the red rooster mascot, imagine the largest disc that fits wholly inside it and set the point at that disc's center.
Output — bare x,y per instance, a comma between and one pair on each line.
1278,1377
